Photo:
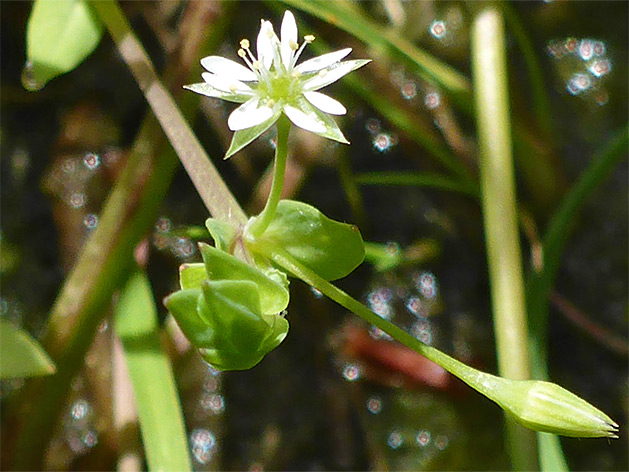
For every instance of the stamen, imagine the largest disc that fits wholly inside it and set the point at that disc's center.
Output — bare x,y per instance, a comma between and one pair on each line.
232,88
242,53
323,73
270,103
244,43
300,50
309,38
295,74
256,65
293,45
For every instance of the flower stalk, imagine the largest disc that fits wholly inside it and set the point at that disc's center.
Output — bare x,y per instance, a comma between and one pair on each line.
537,405
262,221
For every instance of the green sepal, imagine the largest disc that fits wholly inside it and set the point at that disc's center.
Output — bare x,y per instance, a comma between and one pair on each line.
183,306
192,275
220,265
329,248
222,233
244,136
243,335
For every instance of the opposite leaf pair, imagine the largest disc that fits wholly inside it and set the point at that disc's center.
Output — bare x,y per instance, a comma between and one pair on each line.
231,310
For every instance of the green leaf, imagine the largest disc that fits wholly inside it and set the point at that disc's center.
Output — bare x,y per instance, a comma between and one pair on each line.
21,355
222,232
220,265
60,35
159,410
329,248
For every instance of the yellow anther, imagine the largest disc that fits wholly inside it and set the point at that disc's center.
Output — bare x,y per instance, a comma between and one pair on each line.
295,74
270,103
309,38
323,73
293,45
244,43
233,88
256,65
242,53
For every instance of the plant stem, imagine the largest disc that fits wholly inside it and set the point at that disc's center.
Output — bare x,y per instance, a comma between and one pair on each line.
500,215
482,382
262,221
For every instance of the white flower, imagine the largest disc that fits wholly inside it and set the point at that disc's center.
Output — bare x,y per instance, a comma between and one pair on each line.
273,84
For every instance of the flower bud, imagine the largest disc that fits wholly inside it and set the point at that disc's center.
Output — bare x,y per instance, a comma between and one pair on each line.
547,407
229,310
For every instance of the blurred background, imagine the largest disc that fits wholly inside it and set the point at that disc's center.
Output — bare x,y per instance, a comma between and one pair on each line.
336,395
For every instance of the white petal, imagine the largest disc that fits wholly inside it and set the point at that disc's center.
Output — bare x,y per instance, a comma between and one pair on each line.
265,44
206,89
332,74
301,119
221,66
325,103
322,61
249,114
226,84
288,33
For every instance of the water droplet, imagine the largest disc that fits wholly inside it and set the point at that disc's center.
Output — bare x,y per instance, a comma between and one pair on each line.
184,247
212,384
432,100
441,442
351,372
202,443
382,142
578,83
409,90
600,68
213,402
90,438
602,98
423,438
599,48
438,29
374,405
91,161
379,301
571,44
586,49
372,125
316,293
68,165
77,200
28,80
421,330
79,409
163,224
395,440
90,221
426,284
414,305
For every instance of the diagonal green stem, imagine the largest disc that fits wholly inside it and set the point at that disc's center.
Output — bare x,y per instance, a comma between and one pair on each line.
484,383
262,221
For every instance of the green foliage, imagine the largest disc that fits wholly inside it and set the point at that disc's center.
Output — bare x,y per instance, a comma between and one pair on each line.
60,35
155,392
329,248
21,355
